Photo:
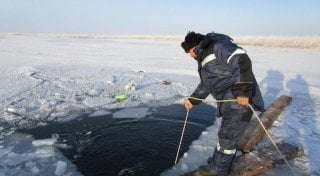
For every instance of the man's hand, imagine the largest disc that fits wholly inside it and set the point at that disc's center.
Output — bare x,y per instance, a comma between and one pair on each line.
187,104
243,100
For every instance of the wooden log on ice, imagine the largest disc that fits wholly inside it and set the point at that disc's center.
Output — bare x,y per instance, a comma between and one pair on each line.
255,132
261,160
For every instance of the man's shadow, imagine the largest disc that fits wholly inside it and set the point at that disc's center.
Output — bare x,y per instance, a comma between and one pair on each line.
300,122
274,84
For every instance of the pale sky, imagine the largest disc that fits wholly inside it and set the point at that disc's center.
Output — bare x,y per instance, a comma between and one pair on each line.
234,17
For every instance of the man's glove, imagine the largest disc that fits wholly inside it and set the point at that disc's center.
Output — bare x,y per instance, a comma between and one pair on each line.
243,100
187,104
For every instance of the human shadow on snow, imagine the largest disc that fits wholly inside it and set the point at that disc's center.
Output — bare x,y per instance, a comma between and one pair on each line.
274,84
302,119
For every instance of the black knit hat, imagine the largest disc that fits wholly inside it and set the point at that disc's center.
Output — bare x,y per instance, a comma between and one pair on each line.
191,40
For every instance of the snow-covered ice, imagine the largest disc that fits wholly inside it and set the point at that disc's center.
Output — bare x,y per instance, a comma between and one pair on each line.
45,78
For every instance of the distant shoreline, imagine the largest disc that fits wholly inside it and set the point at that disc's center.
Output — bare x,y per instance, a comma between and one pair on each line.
310,41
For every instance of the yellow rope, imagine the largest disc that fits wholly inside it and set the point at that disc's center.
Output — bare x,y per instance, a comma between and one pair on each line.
255,114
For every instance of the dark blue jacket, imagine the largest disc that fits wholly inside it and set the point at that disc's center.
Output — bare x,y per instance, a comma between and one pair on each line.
225,76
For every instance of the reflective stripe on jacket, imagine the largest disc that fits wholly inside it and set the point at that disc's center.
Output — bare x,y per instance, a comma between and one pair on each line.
225,71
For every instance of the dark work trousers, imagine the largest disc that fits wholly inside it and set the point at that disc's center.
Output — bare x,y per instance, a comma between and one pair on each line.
234,123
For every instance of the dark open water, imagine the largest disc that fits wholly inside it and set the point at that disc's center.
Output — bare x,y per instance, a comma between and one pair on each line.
142,147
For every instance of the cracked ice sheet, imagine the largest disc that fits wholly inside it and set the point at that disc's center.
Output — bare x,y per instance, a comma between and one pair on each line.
131,113
27,156
76,66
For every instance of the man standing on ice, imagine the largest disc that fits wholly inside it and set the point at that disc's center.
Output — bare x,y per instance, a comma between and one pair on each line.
225,72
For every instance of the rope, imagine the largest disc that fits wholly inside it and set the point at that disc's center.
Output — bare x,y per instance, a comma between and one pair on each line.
271,139
184,126
255,114
185,123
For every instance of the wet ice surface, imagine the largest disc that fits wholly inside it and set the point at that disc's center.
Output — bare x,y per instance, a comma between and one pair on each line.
45,80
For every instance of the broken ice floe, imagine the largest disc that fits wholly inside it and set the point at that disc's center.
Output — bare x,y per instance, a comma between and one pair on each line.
42,142
50,141
131,113
22,157
95,92
61,168
16,111
99,113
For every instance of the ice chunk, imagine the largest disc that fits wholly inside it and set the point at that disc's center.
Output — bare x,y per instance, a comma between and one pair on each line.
185,155
42,142
44,152
16,110
62,146
61,168
100,113
55,137
204,133
131,113
95,92
14,159
4,152
35,170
